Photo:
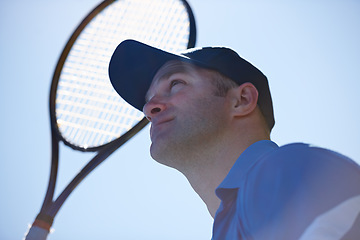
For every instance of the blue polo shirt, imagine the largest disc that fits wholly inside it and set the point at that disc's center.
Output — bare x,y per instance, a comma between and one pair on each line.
296,191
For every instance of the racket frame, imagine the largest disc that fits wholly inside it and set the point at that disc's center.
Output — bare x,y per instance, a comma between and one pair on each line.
50,207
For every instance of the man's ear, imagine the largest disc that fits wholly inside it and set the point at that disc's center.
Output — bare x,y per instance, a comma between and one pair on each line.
244,99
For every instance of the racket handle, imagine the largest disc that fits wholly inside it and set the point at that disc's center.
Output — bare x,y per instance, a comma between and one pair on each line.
40,229
36,233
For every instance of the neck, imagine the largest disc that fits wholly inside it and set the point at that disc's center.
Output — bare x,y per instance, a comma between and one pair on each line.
209,168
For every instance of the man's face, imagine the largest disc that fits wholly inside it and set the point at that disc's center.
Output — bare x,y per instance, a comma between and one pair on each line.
186,116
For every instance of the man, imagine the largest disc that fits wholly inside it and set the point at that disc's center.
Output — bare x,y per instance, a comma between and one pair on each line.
211,115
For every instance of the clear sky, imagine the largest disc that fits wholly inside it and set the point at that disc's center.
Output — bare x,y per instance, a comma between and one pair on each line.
309,51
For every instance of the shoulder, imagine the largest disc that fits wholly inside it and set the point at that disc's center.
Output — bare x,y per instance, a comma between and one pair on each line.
302,160
303,169
293,184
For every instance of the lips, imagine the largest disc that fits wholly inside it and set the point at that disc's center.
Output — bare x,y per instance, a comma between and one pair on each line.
157,123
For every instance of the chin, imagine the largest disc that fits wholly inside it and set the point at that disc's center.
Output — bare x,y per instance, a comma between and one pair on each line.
163,156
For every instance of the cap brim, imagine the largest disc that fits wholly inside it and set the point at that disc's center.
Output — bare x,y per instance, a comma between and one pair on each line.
132,68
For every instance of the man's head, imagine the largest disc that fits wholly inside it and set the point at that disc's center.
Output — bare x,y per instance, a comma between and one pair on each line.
187,112
134,65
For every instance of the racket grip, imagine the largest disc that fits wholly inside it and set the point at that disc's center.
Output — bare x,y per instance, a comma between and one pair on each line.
36,233
40,229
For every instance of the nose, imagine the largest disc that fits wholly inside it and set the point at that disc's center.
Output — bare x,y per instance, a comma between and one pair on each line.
153,107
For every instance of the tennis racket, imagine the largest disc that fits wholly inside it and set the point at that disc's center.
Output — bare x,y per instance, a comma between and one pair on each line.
86,114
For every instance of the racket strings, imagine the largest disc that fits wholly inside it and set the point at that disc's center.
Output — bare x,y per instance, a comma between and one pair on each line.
89,112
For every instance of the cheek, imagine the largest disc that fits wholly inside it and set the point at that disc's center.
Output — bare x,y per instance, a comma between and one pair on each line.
207,109
199,103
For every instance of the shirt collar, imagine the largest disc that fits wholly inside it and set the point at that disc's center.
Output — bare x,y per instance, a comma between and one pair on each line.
249,157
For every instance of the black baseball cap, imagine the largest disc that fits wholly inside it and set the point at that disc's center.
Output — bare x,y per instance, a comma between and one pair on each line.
133,66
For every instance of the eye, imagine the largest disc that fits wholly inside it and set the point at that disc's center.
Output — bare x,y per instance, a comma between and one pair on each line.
175,82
